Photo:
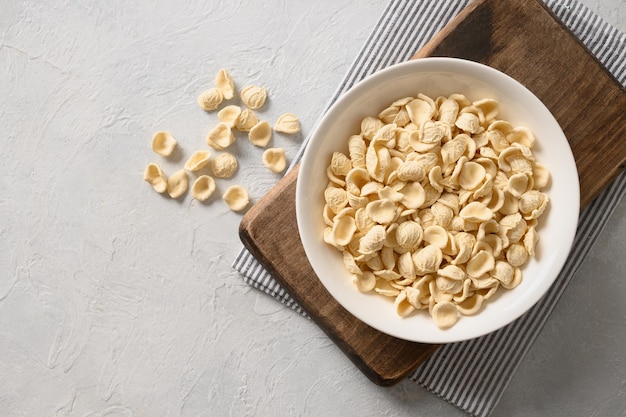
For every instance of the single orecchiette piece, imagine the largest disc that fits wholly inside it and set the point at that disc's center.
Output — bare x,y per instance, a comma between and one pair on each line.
236,197
287,123
155,176
260,134
225,84
274,159
224,165
253,97
203,187
246,120
198,160
229,115
220,137
163,143
210,99
177,184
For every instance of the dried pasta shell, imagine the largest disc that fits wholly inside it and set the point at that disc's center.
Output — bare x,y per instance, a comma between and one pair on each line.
436,235
530,241
365,282
541,176
480,264
489,107
532,204
414,195
448,111
377,161
503,272
220,137
177,184
343,229
468,122
224,165
163,143
472,175
225,84
427,260
356,179
203,187
155,176
381,211
274,159
516,254
383,287
470,305
521,135
411,171
357,149
476,212
197,160
517,279
402,305
405,266
370,126
253,97
246,120
236,197
373,240
409,235
340,164
260,134
447,285
287,123
444,314
517,185
452,150
210,99
452,272
419,111
229,115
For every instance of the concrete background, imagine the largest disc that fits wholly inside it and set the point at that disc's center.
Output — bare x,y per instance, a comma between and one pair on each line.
116,301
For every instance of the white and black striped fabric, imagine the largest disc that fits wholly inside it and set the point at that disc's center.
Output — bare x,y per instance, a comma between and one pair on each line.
473,374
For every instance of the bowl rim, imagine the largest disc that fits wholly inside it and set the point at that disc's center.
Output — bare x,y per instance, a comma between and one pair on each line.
431,64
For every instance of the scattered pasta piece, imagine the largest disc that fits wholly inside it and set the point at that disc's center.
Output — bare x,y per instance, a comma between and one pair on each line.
210,99
224,165
274,159
260,134
253,97
154,175
229,115
225,84
220,137
246,120
287,123
236,197
436,205
197,161
163,143
203,187
177,184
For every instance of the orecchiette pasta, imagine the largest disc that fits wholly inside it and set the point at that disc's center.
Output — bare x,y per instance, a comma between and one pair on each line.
435,204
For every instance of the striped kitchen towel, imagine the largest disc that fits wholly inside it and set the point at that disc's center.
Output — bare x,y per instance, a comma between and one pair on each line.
473,374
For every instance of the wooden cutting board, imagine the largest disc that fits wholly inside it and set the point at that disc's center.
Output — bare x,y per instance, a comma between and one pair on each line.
521,38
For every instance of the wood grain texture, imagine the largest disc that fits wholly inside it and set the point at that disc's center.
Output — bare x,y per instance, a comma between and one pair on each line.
522,39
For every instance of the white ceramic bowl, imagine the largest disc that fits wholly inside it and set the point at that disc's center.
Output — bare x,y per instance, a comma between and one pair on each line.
436,77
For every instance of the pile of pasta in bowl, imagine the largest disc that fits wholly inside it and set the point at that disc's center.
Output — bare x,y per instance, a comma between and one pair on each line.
437,200
436,204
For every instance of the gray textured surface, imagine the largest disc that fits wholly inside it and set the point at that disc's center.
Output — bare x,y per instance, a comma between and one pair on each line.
115,301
